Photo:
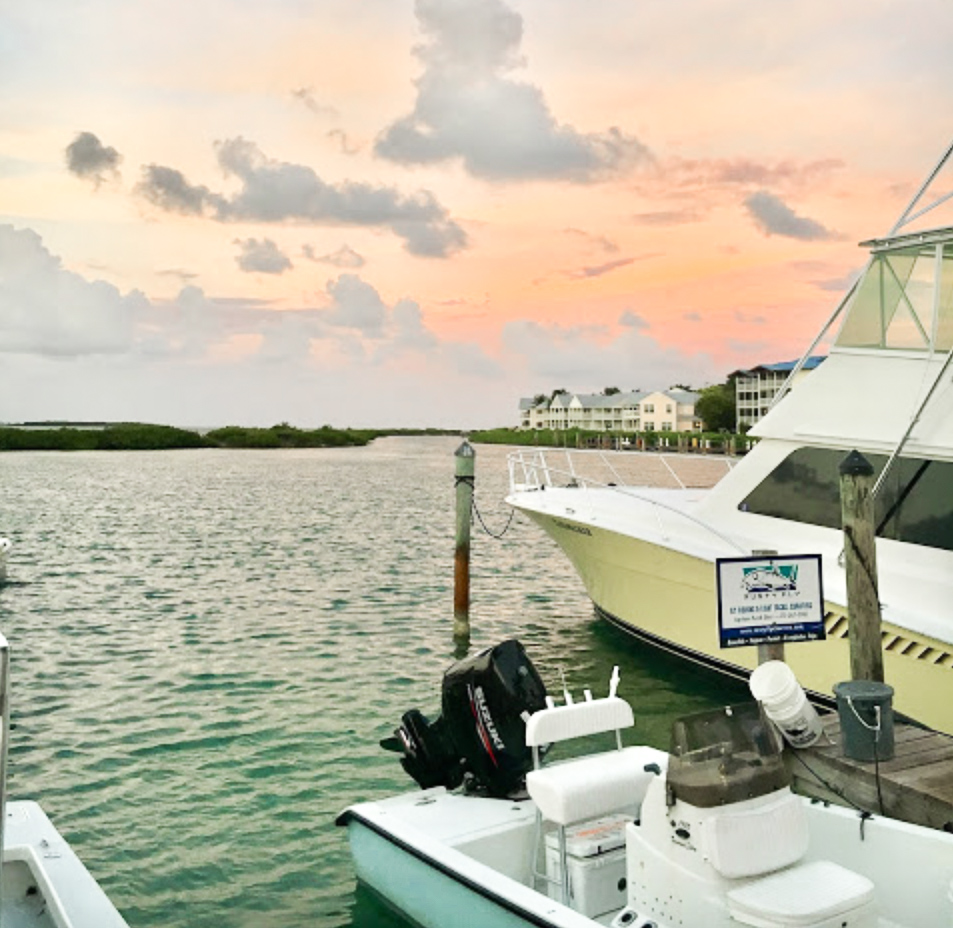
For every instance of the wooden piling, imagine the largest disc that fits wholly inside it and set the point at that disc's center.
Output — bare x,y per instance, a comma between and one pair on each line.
465,470
860,563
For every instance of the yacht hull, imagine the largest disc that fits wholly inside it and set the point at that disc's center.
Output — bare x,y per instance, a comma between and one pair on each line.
667,598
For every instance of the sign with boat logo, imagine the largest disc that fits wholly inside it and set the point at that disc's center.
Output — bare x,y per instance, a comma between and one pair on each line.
766,599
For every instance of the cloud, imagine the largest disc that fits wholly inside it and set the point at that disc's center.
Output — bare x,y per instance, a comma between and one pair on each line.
774,217
347,147
275,191
48,310
633,320
692,317
168,189
345,256
597,270
88,158
748,172
579,357
747,319
263,257
671,217
601,242
305,96
501,129
179,273
355,304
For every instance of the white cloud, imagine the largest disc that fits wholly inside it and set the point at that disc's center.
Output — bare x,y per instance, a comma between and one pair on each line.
501,129
277,191
345,256
580,357
48,310
263,257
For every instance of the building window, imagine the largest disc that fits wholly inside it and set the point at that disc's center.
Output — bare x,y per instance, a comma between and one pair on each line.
648,407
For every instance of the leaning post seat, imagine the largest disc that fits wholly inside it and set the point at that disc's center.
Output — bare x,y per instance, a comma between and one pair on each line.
592,786
589,787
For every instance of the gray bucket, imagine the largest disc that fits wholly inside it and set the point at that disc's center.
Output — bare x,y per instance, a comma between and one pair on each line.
865,710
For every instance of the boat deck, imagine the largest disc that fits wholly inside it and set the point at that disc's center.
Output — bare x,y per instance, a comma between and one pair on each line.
915,785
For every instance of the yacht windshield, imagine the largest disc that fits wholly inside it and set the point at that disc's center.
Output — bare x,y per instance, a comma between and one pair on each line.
913,505
905,298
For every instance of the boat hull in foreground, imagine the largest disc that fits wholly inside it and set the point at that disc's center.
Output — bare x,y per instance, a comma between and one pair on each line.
44,883
441,864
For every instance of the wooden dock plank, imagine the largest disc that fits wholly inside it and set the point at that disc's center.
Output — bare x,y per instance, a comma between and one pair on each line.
915,785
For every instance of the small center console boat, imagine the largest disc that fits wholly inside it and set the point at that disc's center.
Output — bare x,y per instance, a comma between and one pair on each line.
707,835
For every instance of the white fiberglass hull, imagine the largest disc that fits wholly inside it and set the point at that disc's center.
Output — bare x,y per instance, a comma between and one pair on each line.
44,883
444,859
651,572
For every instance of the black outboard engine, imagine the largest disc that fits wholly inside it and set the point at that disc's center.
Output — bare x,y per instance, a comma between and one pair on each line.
480,735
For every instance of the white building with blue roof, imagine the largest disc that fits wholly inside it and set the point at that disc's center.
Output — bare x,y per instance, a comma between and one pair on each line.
756,388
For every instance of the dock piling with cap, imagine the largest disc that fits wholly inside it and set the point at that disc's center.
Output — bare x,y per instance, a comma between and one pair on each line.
465,470
860,564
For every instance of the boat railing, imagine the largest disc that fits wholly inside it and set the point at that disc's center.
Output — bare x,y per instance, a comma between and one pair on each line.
535,471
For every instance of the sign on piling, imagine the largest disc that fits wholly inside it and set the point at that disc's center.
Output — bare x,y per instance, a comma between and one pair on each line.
465,470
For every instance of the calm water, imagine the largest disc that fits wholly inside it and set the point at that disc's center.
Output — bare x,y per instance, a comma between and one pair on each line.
207,646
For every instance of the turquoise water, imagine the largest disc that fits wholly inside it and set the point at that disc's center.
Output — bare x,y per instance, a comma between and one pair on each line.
207,646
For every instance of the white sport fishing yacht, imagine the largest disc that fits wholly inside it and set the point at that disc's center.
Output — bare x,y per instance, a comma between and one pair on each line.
647,556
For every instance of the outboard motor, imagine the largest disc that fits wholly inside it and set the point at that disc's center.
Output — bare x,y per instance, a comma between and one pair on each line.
480,735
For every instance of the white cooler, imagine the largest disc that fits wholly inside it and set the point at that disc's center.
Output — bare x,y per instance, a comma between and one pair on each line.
595,857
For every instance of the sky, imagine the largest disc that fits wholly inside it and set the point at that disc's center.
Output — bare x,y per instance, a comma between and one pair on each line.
401,213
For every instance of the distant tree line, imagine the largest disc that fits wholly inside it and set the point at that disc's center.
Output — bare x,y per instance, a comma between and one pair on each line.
135,436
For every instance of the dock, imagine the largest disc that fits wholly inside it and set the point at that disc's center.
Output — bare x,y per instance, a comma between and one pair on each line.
915,785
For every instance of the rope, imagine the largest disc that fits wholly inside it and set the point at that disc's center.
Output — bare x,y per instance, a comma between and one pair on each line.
506,528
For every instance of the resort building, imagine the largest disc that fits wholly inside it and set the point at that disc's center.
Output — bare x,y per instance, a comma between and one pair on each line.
756,388
635,411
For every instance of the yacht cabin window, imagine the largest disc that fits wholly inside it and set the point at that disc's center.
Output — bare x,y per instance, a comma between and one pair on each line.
913,505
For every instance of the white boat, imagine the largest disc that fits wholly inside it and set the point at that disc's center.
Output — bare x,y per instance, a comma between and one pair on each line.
707,836
646,556
43,884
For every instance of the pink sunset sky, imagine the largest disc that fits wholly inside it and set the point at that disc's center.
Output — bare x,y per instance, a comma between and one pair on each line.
397,213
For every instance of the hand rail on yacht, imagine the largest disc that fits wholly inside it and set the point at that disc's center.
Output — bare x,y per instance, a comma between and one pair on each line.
530,463
789,381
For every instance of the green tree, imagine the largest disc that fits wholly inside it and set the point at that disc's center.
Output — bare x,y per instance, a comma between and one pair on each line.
716,407
611,391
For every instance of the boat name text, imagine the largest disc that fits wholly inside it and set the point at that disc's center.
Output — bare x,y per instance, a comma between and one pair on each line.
579,529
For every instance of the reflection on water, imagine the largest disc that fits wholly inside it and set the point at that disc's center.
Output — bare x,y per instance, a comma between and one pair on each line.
208,645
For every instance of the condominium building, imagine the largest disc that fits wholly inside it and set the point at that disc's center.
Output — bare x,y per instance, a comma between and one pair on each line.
756,388
635,411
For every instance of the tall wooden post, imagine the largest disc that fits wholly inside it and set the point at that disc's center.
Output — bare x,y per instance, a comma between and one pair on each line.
465,469
769,651
860,562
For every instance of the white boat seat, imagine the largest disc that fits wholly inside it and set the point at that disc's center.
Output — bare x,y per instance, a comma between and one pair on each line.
766,835
590,787
820,894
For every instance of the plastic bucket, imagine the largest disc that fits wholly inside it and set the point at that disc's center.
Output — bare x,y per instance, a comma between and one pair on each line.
865,708
774,685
